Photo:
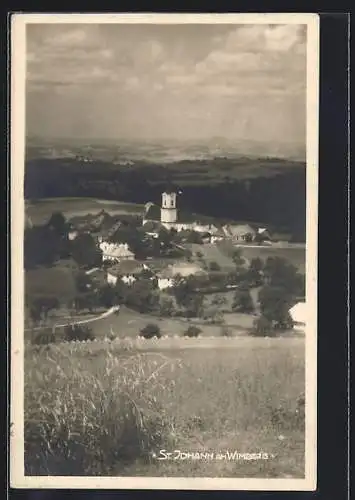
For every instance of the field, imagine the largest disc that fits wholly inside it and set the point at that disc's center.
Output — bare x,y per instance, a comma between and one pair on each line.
295,255
54,281
128,323
96,409
41,210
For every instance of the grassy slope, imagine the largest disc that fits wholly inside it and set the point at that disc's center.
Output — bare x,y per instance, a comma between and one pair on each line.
196,400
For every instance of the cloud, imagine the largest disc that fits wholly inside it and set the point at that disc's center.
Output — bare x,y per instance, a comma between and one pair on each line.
186,80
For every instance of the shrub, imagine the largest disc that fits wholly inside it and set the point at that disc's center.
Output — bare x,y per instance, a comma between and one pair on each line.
225,331
166,307
92,425
150,330
262,327
44,337
192,331
214,266
243,302
78,332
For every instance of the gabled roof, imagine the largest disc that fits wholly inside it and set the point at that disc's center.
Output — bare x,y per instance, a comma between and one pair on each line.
239,229
126,267
182,268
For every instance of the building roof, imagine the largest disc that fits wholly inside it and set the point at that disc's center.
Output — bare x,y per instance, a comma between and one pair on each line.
157,264
239,229
126,267
299,312
116,251
182,268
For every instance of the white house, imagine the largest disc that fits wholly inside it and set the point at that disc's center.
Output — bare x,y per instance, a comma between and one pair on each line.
72,234
217,236
127,271
115,251
167,277
239,232
298,314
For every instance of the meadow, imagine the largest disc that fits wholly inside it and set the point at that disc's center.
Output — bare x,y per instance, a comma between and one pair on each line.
106,408
41,210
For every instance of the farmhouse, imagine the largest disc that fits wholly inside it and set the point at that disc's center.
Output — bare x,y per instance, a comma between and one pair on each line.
127,271
115,251
239,232
167,277
170,217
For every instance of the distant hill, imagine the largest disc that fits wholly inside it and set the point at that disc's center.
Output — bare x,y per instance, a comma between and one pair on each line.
268,190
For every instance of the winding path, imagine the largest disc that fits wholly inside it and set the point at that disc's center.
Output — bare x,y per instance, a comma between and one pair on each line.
80,322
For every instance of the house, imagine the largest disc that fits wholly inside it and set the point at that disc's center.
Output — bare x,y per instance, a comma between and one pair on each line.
127,270
115,251
72,232
298,314
239,232
167,277
217,236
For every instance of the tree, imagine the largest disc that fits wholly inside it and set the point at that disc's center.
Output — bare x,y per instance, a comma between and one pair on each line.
194,237
78,332
121,291
262,326
166,306
83,282
194,305
214,266
237,257
278,272
85,251
40,306
86,301
225,331
182,290
256,264
135,239
58,223
142,297
165,237
275,303
219,300
150,330
41,247
192,331
243,302
107,296
254,274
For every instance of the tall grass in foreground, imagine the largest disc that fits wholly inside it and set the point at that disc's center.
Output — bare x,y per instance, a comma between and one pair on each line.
97,413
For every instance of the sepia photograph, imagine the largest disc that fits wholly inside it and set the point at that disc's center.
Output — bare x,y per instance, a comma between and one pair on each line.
164,194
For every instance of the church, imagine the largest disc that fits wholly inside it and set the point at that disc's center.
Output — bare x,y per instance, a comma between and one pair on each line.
170,217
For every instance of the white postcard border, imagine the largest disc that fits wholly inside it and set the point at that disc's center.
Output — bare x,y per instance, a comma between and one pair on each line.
18,71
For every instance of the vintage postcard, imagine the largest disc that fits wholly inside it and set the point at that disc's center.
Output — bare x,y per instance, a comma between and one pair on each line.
164,202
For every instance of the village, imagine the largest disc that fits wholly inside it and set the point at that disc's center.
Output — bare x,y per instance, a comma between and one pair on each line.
165,263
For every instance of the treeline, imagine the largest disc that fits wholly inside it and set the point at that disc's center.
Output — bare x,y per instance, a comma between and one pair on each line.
278,200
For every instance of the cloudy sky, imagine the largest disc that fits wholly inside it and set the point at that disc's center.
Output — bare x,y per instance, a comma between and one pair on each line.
242,82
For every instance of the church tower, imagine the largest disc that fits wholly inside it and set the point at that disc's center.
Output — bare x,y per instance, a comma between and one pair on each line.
168,212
